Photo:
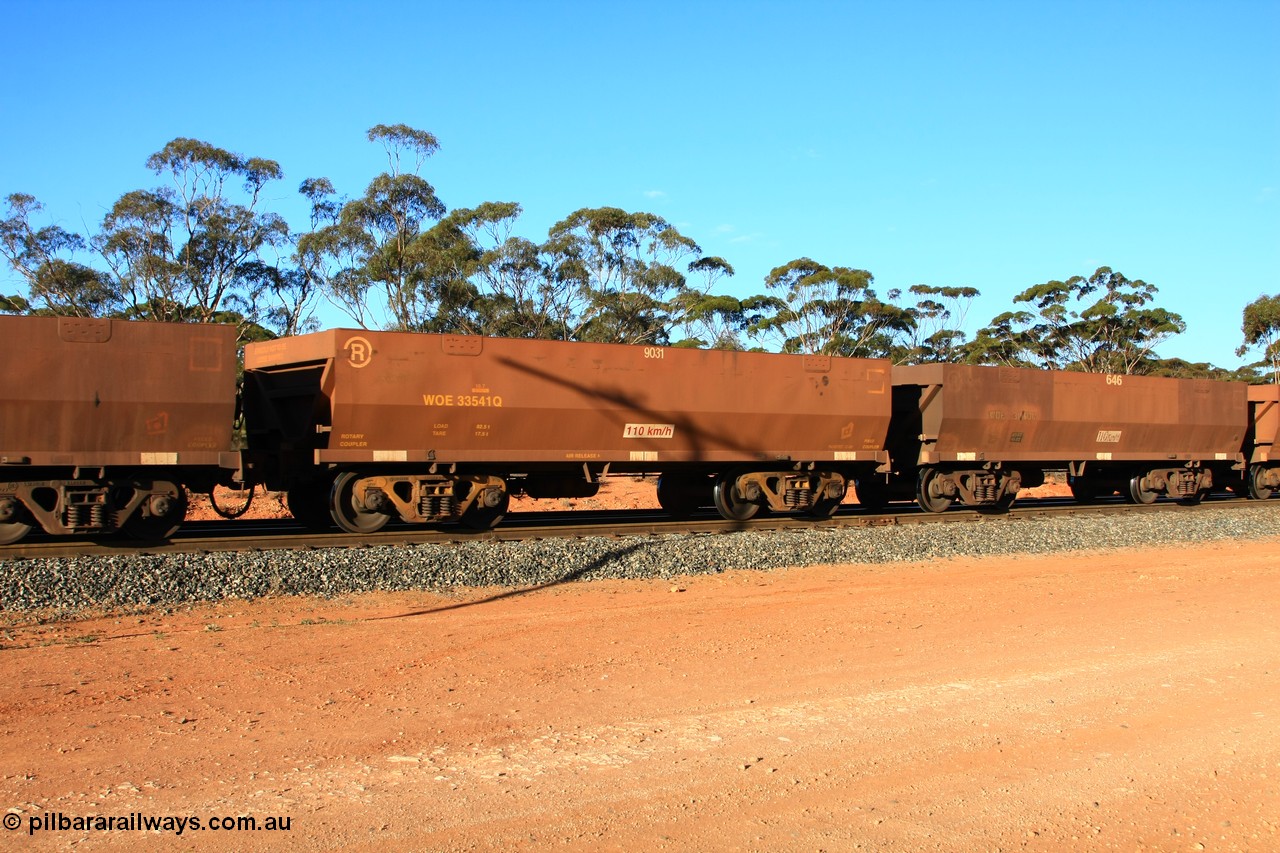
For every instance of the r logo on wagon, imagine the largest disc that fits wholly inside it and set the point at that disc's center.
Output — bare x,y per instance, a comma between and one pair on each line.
359,351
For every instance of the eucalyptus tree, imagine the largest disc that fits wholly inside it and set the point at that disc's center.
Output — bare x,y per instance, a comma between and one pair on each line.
440,262
188,250
1178,368
371,244
829,311
43,257
1002,342
330,257
708,319
514,294
1261,328
1100,324
620,273
284,298
518,298
939,317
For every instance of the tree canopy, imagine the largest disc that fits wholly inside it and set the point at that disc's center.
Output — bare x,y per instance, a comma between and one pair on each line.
1103,323
204,245
813,308
1261,328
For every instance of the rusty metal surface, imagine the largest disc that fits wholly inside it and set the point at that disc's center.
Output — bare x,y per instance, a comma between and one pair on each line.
1264,422
971,413
389,397
80,392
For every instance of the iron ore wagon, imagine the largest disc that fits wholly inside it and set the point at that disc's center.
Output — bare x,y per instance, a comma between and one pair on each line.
363,427
105,423
978,434
1262,478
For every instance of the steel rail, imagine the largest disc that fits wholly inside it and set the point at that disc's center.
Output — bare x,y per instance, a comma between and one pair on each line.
285,534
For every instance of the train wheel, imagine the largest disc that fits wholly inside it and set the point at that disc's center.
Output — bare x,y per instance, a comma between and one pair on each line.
1257,490
349,514
1138,493
679,496
480,516
160,515
13,531
727,501
309,505
12,528
928,495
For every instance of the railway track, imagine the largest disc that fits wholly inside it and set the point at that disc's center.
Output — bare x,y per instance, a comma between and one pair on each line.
285,534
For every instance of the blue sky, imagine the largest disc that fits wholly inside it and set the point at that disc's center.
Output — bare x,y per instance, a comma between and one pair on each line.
990,144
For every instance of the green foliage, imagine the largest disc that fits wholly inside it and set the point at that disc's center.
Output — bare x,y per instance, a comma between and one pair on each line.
55,284
1261,328
282,297
619,270
831,311
14,305
189,251
1178,368
401,141
514,296
1257,373
203,246
939,316
707,319
1099,324
1000,343
377,243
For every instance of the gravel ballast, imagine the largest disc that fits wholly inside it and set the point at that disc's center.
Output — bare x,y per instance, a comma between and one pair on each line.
68,585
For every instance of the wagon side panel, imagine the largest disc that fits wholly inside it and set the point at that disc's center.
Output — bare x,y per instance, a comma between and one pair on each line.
109,392
414,398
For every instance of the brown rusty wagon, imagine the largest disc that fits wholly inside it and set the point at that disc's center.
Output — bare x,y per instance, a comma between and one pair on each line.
362,427
979,434
103,423
1262,479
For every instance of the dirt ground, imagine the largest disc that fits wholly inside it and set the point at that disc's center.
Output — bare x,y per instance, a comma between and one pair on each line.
1101,701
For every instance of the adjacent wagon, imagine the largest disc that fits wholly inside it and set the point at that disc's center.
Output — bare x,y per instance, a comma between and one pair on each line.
978,434
104,422
1262,478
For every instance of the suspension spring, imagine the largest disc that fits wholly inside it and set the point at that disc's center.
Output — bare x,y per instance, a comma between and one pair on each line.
984,490
798,498
437,506
85,510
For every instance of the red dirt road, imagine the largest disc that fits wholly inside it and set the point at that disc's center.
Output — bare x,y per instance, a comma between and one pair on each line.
1115,701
